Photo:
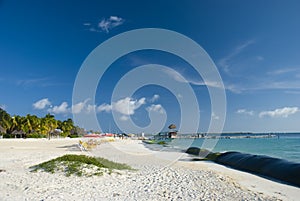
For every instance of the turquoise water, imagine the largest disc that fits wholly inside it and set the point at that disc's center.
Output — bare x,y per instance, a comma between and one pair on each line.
287,146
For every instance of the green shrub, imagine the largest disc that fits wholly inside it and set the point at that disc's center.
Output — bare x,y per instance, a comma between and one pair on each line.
74,165
212,156
7,135
73,136
112,165
35,135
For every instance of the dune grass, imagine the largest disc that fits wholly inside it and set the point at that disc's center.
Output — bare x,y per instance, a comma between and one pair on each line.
80,165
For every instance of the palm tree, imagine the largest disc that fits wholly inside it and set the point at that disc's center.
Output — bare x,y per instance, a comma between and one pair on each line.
16,123
18,126
22,125
5,120
34,123
66,126
49,124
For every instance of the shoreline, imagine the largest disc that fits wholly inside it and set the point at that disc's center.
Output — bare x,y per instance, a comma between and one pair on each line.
159,175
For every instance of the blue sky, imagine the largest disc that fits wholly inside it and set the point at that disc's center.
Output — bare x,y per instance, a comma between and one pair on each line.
255,46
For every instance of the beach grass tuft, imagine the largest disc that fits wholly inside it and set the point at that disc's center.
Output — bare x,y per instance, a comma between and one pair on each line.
80,165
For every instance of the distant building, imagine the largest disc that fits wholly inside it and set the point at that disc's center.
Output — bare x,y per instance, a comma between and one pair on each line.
172,134
165,135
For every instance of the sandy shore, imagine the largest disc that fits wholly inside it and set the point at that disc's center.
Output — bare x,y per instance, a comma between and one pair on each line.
159,175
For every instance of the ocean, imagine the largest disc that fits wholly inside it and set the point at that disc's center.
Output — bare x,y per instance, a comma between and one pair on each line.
273,156
284,145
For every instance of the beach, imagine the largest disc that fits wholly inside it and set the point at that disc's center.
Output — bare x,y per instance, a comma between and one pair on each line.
157,175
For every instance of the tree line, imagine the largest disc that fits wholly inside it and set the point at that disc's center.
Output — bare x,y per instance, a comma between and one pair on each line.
36,127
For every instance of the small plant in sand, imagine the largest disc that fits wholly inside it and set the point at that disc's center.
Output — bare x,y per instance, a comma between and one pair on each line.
80,165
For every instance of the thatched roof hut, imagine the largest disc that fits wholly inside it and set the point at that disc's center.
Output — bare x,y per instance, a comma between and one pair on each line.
172,133
18,133
2,130
172,126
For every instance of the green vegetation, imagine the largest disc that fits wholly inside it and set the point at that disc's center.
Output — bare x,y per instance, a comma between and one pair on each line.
204,154
35,135
161,142
211,156
80,165
32,126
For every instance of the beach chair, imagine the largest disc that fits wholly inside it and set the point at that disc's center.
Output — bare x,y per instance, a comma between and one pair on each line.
82,146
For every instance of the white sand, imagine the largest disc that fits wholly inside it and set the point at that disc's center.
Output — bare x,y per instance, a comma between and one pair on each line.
160,175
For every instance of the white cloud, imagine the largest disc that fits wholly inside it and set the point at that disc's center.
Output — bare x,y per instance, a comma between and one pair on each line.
64,108
79,107
37,82
207,83
115,19
84,107
61,109
244,111
179,78
156,108
226,61
124,118
92,29
234,88
41,104
127,106
90,108
154,98
105,25
284,71
214,116
288,86
292,92
280,112
110,23
175,75
104,107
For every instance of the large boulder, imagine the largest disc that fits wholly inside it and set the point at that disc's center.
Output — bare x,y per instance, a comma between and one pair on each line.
198,151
